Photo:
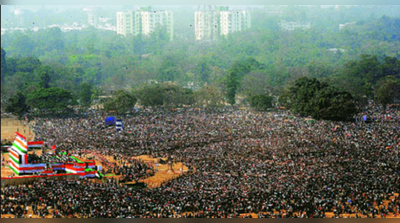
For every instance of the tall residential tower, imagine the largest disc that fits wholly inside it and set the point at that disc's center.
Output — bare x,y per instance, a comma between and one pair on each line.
212,22
144,21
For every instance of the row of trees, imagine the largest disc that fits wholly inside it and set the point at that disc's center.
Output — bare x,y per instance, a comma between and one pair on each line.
248,79
168,95
54,100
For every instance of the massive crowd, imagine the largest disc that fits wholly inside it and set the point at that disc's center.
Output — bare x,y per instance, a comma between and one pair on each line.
270,164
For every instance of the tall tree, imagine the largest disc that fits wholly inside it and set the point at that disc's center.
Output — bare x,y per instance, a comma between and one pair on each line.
85,94
261,102
17,104
209,96
231,87
3,64
45,80
50,100
238,70
387,90
121,102
310,97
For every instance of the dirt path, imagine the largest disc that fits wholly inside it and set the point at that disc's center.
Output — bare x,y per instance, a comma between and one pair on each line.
163,174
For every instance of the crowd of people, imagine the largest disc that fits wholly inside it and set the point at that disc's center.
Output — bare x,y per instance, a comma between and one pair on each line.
134,171
270,164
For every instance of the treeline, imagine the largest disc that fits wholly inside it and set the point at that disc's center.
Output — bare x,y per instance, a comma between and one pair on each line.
316,91
103,58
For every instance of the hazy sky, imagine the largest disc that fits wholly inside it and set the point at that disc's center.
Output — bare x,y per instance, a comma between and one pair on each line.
202,2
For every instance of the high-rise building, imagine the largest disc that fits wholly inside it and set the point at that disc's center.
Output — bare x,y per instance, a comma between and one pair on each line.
211,22
129,23
206,24
157,19
144,22
234,21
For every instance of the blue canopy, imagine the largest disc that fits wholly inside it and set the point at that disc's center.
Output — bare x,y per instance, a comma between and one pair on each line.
110,120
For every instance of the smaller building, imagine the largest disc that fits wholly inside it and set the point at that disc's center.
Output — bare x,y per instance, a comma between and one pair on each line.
335,50
290,26
341,26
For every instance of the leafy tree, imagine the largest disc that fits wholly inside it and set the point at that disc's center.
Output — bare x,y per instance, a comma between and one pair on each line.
231,87
50,100
332,104
209,96
168,70
261,102
362,74
3,64
27,64
150,95
124,101
301,92
256,83
310,97
55,39
17,104
387,90
391,67
319,69
85,94
23,44
238,70
121,102
45,80
164,94
203,71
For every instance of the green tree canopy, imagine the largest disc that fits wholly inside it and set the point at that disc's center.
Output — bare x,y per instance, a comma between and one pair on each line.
85,94
310,97
121,102
238,70
50,100
17,104
387,90
209,96
3,65
260,102
164,94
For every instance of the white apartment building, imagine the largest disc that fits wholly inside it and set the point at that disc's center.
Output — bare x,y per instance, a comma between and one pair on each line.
144,22
210,24
234,21
206,25
152,20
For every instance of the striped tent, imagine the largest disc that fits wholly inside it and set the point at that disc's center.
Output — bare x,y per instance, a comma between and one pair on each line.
18,154
38,144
